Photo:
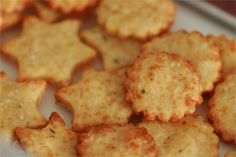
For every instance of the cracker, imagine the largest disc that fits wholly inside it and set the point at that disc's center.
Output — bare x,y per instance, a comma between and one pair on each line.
139,19
98,98
18,105
68,6
8,19
162,86
196,49
48,51
45,13
10,12
228,52
115,52
230,154
190,137
54,140
116,141
222,108
10,6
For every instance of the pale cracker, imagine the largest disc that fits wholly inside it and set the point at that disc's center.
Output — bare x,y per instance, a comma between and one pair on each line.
115,53
98,98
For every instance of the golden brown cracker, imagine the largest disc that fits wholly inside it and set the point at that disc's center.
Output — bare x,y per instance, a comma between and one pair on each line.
230,154
54,140
227,51
116,141
45,13
8,19
116,53
10,6
190,137
162,86
139,19
68,6
222,108
18,105
196,49
48,51
98,98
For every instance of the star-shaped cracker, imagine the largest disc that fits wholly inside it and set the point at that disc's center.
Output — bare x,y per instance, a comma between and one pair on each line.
98,98
54,140
18,105
48,51
115,52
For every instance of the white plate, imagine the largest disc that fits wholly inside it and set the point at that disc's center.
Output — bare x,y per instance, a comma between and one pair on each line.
187,18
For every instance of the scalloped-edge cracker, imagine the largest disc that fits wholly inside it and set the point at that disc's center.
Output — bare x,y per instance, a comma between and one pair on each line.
18,105
222,108
68,6
48,51
115,53
54,140
190,137
196,49
116,141
227,49
162,86
230,154
140,19
98,98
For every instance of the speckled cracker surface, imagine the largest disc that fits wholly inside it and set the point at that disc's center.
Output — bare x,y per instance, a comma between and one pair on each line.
54,140
67,6
48,51
116,141
223,108
18,105
115,52
45,13
190,137
228,53
139,19
230,154
194,48
162,86
98,98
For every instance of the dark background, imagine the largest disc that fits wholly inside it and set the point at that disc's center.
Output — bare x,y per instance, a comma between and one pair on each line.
228,6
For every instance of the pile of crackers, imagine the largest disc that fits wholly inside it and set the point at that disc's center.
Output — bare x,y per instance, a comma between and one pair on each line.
141,103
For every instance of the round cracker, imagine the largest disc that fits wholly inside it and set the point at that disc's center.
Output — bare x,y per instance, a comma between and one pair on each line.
139,19
116,141
190,137
68,6
223,108
227,51
196,49
162,86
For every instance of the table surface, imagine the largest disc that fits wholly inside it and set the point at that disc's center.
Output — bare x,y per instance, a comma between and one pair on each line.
187,18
